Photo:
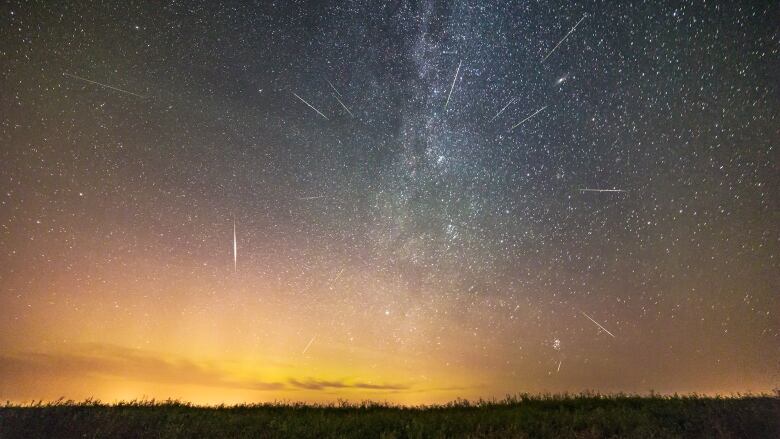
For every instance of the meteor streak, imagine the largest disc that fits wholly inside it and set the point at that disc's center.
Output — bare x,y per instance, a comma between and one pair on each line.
598,324
524,120
311,106
603,190
337,97
338,276
564,37
235,248
102,85
342,104
334,88
308,345
502,110
453,84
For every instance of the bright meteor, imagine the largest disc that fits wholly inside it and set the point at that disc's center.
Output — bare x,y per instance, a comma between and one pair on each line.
526,119
311,106
564,38
598,324
603,190
453,84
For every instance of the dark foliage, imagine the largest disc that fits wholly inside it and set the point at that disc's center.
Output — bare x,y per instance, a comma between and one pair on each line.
523,416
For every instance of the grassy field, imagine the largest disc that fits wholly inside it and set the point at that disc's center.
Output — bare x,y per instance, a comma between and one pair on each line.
579,416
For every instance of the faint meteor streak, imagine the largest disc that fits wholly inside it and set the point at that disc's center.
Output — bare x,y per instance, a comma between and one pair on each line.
603,190
102,85
334,88
598,324
338,276
564,37
559,366
337,98
311,106
342,104
311,198
235,248
524,120
502,110
308,345
453,84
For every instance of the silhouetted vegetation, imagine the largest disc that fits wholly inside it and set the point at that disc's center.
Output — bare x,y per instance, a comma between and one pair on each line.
523,416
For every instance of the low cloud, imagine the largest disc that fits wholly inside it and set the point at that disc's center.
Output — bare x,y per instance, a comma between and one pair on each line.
113,362
312,384
103,361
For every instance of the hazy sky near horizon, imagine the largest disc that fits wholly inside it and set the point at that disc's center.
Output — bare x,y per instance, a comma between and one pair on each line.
402,201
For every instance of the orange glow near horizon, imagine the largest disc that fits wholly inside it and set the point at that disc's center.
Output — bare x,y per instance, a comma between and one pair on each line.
207,348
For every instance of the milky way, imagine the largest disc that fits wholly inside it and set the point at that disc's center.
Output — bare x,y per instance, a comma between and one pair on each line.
446,196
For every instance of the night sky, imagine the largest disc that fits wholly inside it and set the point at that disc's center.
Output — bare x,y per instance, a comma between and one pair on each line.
399,201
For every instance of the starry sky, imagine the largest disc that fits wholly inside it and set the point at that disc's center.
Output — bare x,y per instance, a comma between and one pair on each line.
398,201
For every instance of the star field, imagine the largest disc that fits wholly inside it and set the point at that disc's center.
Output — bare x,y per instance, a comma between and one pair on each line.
431,200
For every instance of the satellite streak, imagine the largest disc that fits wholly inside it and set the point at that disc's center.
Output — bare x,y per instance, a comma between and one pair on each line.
603,190
308,345
235,248
565,36
311,106
102,85
311,198
598,324
453,85
524,120
502,110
